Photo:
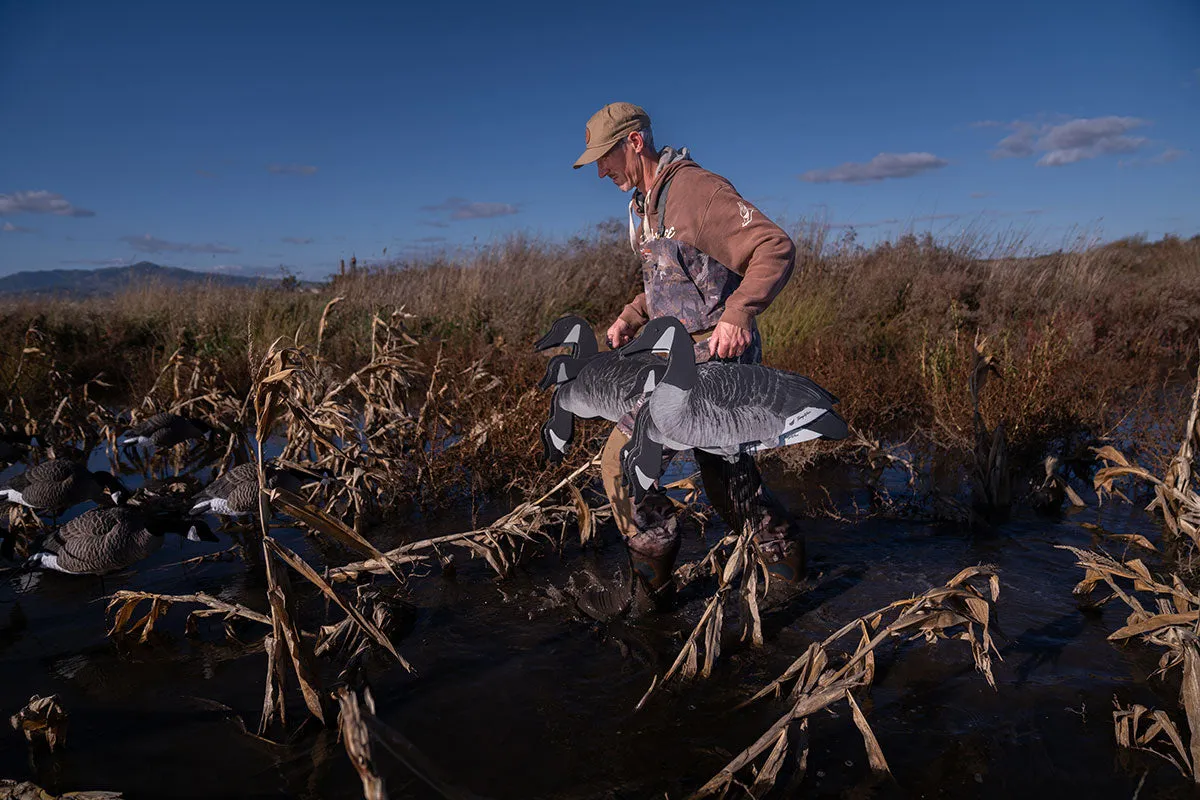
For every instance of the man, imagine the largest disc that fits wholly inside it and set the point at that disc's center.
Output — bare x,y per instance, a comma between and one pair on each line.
715,262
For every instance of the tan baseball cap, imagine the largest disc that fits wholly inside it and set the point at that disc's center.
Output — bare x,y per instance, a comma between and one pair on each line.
608,126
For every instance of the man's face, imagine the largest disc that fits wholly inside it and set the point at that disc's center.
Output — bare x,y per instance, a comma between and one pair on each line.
620,164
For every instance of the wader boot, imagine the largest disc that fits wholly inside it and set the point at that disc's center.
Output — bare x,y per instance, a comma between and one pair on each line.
653,550
737,493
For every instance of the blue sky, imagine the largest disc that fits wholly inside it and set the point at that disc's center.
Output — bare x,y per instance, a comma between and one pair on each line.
245,136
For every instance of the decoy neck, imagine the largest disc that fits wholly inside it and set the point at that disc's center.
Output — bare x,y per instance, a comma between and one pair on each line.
570,329
560,369
668,334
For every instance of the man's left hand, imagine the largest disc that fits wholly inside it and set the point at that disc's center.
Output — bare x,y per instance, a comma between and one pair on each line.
728,341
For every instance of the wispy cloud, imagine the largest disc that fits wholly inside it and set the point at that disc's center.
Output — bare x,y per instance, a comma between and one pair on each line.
227,269
204,173
8,227
298,240
460,208
980,195
291,169
97,262
881,167
1072,141
40,202
151,244
1170,155
878,223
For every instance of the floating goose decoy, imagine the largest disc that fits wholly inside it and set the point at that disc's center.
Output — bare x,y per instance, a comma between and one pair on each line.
235,494
590,384
55,485
108,539
165,430
721,408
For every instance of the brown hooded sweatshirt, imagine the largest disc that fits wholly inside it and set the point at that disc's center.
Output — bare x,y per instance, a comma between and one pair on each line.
705,211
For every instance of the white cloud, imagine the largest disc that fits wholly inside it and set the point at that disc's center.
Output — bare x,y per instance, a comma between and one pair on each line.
462,209
882,166
298,240
1071,141
40,202
8,227
150,244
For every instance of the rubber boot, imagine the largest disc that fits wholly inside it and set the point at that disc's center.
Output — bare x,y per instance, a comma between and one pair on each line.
785,560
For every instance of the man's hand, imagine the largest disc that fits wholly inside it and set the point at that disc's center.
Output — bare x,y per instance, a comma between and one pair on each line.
728,341
619,333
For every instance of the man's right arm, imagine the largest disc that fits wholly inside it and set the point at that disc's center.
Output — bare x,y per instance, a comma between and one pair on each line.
632,317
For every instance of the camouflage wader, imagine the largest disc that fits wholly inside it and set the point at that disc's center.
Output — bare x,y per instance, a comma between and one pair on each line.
683,282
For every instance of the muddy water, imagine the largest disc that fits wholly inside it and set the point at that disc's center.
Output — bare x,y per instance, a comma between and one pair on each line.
516,697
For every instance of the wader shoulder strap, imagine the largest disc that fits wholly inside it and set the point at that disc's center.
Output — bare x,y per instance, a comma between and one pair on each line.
662,208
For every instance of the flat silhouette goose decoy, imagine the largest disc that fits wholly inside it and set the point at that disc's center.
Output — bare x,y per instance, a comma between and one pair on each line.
164,430
719,407
589,384
55,485
105,540
235,494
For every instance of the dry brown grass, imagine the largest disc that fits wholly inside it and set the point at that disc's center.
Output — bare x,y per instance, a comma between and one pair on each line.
891,330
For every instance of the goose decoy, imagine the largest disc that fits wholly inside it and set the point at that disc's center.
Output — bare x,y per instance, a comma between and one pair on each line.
108,539
165,430
719,407
59,483
590,384
235,494
14,444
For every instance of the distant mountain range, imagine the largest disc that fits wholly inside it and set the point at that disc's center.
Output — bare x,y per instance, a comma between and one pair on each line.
109,280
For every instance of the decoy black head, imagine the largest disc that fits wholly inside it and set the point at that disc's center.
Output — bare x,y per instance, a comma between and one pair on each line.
553,454
647,380
111,486
658,335
560,369
569,329
641,458
198,531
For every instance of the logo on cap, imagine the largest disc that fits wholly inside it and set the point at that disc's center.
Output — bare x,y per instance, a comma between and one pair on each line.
587,136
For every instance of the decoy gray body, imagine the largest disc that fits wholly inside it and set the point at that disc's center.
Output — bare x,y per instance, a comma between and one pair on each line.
59,483
107,539
722,408
235,494
589,384
165,430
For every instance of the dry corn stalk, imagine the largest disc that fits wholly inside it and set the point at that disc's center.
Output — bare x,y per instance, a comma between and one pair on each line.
821,677
738,575
362,731
992,483
1171,624
25,790
44,718
1173,493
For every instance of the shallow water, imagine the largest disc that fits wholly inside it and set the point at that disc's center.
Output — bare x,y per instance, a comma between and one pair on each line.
515,697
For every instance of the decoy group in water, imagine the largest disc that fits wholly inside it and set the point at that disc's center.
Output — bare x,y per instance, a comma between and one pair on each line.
124,527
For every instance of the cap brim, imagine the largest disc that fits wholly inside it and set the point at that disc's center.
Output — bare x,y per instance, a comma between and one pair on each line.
594,152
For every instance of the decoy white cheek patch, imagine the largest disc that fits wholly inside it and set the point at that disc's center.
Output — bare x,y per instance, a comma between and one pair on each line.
573,336
666,340
559,442
650,384
562,373
645,480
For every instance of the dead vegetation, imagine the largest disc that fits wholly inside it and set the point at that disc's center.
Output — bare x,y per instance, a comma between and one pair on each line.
825,675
